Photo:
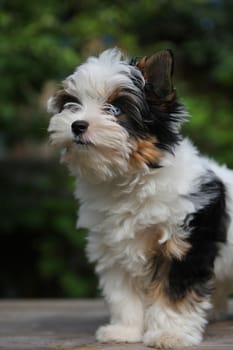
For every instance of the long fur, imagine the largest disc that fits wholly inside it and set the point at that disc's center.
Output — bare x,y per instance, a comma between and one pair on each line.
159,214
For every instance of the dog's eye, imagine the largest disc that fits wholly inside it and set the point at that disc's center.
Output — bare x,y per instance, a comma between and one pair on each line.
114,110
72,106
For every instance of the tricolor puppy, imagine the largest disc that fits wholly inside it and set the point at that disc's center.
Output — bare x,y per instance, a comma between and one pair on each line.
159,214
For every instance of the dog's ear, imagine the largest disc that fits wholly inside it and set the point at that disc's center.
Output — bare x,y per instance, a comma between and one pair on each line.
157,71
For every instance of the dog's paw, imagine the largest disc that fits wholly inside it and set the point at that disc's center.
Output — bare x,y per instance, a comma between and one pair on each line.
166,340
118,333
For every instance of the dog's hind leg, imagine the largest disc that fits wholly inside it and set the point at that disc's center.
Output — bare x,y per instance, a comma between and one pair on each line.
175,325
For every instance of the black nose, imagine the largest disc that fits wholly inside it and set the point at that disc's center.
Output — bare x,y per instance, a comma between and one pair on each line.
79,127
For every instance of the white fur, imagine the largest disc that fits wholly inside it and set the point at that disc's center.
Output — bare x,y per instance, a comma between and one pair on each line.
167,328
117,204
114,215
113,219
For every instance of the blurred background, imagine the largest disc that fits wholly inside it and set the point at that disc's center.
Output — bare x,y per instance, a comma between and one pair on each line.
41,42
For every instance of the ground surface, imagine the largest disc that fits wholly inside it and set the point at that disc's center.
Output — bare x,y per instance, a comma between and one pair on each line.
70,325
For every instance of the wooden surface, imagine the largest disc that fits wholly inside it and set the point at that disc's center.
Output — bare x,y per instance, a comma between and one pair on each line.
70,325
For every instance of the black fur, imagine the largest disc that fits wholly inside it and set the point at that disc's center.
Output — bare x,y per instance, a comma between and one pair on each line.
164,123
134,110
207,228
164,112
64,98
144,117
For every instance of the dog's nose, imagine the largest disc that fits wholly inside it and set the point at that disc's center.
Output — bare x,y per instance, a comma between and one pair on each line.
79,127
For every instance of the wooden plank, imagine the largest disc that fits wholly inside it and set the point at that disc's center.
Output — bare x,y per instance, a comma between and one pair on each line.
71,325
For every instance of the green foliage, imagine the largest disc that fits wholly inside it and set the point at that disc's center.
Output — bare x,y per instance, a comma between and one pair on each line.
44,41
211,126
38,229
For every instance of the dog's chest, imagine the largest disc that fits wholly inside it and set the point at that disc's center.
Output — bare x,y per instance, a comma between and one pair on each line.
133,255
127,229
128,254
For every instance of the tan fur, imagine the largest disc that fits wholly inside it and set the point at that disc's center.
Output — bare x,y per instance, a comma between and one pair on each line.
144,152
158,292
61,92
175,247
160,256
141,64
148,239
114,95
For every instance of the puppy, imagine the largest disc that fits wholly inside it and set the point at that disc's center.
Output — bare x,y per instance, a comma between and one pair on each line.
159,214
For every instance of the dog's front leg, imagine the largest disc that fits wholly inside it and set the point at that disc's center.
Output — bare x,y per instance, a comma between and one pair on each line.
126,309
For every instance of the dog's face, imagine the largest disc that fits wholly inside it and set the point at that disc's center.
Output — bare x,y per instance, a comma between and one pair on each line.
113,117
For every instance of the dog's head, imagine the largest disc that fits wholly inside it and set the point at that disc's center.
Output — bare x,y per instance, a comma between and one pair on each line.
114,117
